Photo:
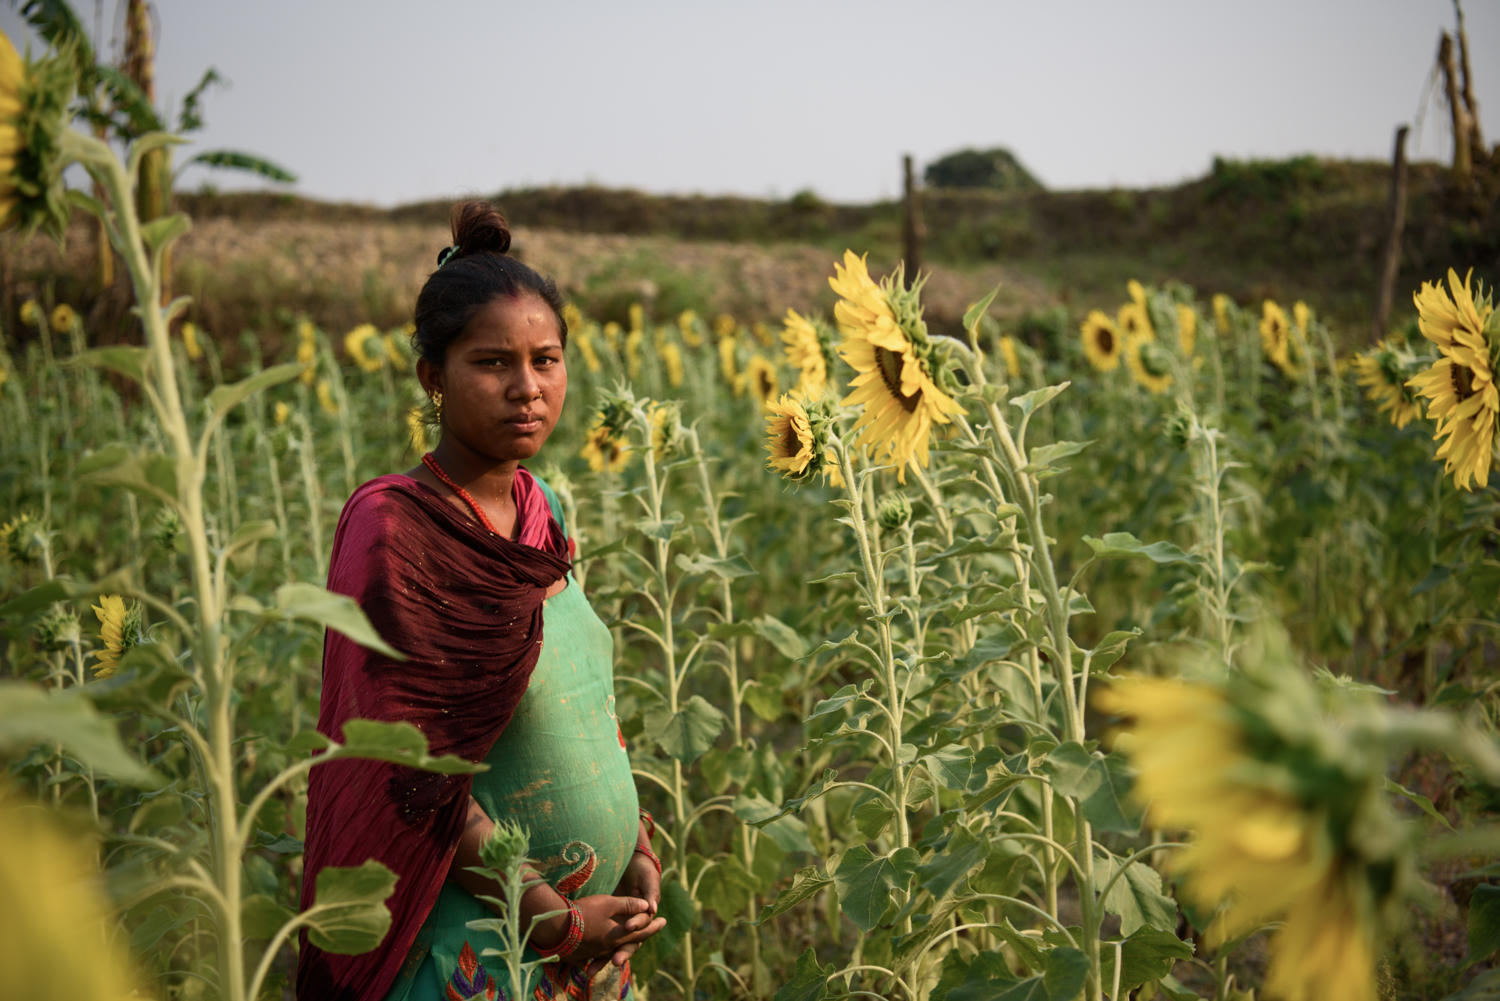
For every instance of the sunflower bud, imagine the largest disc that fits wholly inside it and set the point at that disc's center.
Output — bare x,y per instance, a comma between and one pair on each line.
894,512
507,846
59,630
168,528
22,536
34,99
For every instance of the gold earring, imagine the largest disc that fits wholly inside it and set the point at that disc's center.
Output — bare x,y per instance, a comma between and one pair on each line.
437,407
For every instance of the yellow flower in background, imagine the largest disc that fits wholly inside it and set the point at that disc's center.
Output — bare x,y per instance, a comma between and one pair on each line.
633,352
804,352
307,350
725,325
1148,363
12,143
1380,371
666,428
1012,357
727,367
573,317
31,310
789,436
55,912
584,335
395,353
1461,383
35,96
190,341
900,400
120,630
1324,951
1101,342
612,336
63,317
1221,312
1276,337
1137,292
281,412
637,318
325,398
687,323
762,334
1133,322
605,453
1187,329
760,376
354,347
416,429
1302,315
671,356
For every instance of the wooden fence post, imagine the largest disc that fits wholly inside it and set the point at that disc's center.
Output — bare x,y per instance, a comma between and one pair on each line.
1392,264
1471,104
912,230
1462,158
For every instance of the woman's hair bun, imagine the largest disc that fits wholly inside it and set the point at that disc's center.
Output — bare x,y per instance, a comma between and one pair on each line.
478,228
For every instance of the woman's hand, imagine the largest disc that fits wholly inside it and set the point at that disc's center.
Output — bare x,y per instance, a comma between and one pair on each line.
641,879
613,928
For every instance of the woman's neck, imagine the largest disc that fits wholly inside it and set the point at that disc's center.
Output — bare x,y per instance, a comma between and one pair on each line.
486,480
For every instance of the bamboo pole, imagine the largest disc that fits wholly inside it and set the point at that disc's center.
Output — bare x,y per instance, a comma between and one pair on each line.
912,230
1392,266
1463,161
1471,104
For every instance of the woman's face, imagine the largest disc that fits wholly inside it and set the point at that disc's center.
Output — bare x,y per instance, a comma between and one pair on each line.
503,380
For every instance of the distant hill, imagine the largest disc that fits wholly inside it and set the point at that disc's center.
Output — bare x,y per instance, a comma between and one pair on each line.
991,169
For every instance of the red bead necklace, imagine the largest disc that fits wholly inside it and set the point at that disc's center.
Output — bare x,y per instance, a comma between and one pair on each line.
432,464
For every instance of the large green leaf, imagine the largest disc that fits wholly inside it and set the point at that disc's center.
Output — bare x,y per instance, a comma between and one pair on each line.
841,698
164,230
398,743
1485,987
687,733
348,915
725,569
1147,955
151,474
1123,545
250,163
1067,969
865,881
128,361
30,715
677,907
1101,784
726,888
987,977
780,635
805,883
341,613
809,980
262,917
1038,398
790,833
961,856
1136,896
1484,924
951,767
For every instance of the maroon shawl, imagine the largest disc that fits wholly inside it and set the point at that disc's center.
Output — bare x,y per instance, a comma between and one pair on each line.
466,606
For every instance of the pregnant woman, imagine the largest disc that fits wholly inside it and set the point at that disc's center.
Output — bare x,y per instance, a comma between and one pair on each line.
463,565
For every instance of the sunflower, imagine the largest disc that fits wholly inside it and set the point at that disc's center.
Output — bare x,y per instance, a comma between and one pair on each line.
671,356
1187,329
666,428
612,336
1101,342
119,628
1383,370
1276,337
21,537
583,336
63,317
1012,357
307,350
727,366
190,341
395,352
886,343
789,436
1301,315
725,325
1461,383
1137,292
760,377
605,453
31,313
687,324
325,398
1148,362
281,412
34,99
416,429
807,351
633,350
354,347
1221,312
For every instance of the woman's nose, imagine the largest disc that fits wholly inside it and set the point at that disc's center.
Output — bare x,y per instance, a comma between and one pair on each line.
526,386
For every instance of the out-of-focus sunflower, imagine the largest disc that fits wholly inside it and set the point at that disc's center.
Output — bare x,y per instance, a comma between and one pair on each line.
727,367
760,377
666,428
63,317
1461,383
307,350
1101,342
1133,322
762,334
1187,329
281,412
22,537
1221,312
31,313
120,629
1301,315
190,341
1011,356
605,452
671,356
725,325
416,429
1276,337
1137,292
1148,362
898,365
809,350
583,336
687,325
324,393
633,351
34,134
354,346
395,350
612,336
1383,370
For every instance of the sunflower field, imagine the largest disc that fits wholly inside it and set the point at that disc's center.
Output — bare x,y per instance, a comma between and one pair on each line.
1031,663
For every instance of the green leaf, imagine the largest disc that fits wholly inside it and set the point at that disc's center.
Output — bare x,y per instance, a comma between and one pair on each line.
348,916
1484,924
962,855
725,569
1136,897
163,230
127,361
1067,969
398,743
780,635
1123,545
225,398
872,816
1100,784
660,530
764,700
1421,801
232,160
687,733
263,917
677,907
1485,987
157,924
339,612
841,698
1038,398
865,881
809,980
951,767
1110,649
281,844
1147,955
165,810
1043,456
30,715
789,833
726,887
976,311
987,977
806,882
146,473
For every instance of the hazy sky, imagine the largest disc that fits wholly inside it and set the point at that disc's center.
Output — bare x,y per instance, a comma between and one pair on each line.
388,102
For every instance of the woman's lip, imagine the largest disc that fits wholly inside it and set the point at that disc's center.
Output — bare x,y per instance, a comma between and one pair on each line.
525,424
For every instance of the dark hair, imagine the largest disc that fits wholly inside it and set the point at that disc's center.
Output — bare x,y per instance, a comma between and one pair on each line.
473,276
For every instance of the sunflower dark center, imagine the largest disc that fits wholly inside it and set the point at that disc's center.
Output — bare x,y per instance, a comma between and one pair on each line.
889,363
1463,381
790,441
1107,342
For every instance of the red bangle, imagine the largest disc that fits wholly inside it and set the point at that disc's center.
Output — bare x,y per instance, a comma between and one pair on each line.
646,851
649,822
571,941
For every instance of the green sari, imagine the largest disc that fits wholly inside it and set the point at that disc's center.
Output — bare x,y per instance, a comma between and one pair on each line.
561,770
